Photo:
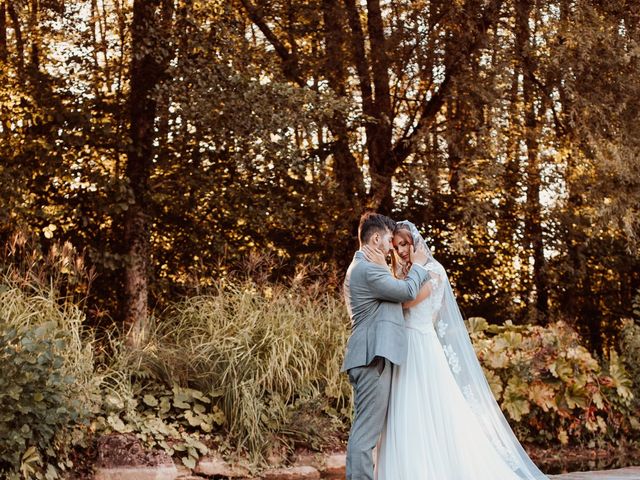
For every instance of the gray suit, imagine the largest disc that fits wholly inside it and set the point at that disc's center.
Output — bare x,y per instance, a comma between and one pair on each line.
377,341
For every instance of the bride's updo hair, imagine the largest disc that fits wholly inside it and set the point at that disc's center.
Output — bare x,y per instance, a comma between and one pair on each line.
403,231
400,269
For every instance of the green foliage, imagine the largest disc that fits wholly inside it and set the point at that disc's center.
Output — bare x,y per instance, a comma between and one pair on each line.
255,350
551,387
47,382
179,420
36,400
630,348
46,379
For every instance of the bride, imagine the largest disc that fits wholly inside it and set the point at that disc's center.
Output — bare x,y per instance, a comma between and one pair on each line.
443,422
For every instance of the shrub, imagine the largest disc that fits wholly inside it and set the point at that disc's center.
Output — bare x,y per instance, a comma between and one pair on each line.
36,400
255,350
630,348
551,387
45,371
178,420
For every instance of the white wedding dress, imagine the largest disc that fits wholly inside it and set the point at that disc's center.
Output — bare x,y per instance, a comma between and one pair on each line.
436,430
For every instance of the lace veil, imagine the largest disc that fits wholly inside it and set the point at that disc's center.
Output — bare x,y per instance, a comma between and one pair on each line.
466,368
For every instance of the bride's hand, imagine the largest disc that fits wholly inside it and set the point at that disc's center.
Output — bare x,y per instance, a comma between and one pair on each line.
374,255
419,255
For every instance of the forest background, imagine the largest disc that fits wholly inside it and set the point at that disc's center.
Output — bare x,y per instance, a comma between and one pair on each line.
179,144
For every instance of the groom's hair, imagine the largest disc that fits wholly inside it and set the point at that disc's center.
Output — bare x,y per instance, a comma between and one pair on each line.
371,223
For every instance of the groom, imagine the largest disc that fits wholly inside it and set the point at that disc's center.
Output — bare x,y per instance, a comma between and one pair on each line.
378,340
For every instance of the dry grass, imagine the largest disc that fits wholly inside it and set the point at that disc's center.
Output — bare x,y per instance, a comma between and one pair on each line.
257,348
23,308
260,349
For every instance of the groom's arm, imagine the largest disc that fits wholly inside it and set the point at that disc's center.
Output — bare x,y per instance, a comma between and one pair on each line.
385,286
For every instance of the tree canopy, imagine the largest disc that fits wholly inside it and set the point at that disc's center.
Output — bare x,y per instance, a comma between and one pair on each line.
169,139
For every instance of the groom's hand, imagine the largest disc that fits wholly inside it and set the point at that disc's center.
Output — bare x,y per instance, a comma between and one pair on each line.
419,255
374,255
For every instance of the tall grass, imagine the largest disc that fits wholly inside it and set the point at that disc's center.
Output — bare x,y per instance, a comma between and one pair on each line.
38,289
46,365
23,310
257,348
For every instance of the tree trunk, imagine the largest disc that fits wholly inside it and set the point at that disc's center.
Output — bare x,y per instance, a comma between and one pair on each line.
379,144
455,113
3,32
533,219
34,60
508,222
577,301
147,67
349,178
17,29
348,175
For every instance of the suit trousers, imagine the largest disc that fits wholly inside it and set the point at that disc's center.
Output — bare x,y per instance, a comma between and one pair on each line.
371,388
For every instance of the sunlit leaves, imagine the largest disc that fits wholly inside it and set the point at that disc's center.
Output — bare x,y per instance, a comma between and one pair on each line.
245,158
497,357
515,400
550,379
561,369
619,377
575,396
563,437
495,383
542,395
476,324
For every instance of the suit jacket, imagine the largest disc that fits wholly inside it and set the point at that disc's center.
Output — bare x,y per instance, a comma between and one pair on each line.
374,297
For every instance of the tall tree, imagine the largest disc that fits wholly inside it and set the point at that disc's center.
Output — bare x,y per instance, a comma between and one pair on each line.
534,109
386,96
149,61
3,32
498,126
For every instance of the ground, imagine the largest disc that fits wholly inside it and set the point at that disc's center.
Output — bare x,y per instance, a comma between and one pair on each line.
126,450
